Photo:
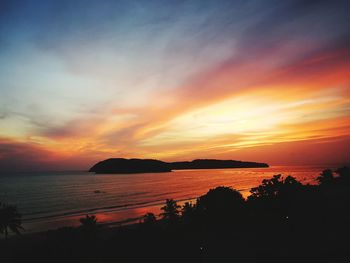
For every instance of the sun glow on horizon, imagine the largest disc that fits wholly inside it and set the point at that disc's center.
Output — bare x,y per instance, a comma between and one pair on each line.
263,116
216,82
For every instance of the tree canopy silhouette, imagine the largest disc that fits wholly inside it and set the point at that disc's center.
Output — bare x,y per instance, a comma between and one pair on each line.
283,220
326,177
149,219
171,210
10,219
187,209
275,187
221,203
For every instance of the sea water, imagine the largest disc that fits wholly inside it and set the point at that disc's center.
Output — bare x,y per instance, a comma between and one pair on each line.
57,199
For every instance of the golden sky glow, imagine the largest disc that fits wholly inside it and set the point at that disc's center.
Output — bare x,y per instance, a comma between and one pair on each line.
281,97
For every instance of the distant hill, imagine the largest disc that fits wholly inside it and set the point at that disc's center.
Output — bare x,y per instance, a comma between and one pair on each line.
214,164
125,166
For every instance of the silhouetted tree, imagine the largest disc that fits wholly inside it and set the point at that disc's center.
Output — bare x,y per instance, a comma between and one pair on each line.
10,219
171,210
284,221
276,198
149,219
221,204
188,212
274,187
326,177
187,209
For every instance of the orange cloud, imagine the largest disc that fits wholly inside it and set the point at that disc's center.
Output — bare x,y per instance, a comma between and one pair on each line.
245,105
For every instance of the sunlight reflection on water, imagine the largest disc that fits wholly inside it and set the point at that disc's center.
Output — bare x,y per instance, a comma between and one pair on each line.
54,200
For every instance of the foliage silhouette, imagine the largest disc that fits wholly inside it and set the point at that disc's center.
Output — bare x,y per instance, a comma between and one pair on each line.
275,187
149,219
282,221
326,177
187,210
10,219
171,210
276,198
221,205
190,214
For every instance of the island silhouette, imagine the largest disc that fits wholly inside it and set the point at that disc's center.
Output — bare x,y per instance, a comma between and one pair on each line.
122,165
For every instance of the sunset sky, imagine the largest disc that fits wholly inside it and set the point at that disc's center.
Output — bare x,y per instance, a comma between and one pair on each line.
82,81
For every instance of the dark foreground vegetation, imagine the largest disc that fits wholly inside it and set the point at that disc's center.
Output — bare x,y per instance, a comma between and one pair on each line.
282,221
126,166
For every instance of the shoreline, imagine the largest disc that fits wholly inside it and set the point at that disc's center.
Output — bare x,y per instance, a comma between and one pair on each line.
240,179
73,219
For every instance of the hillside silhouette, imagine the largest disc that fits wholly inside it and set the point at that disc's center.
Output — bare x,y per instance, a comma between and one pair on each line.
121,165
125,166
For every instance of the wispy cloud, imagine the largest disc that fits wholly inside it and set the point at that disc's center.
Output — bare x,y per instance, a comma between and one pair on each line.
90,80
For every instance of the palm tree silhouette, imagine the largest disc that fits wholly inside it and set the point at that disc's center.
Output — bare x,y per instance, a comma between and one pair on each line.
10,219
171,210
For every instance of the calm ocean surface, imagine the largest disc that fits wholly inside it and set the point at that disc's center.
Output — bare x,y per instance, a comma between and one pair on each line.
51,200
